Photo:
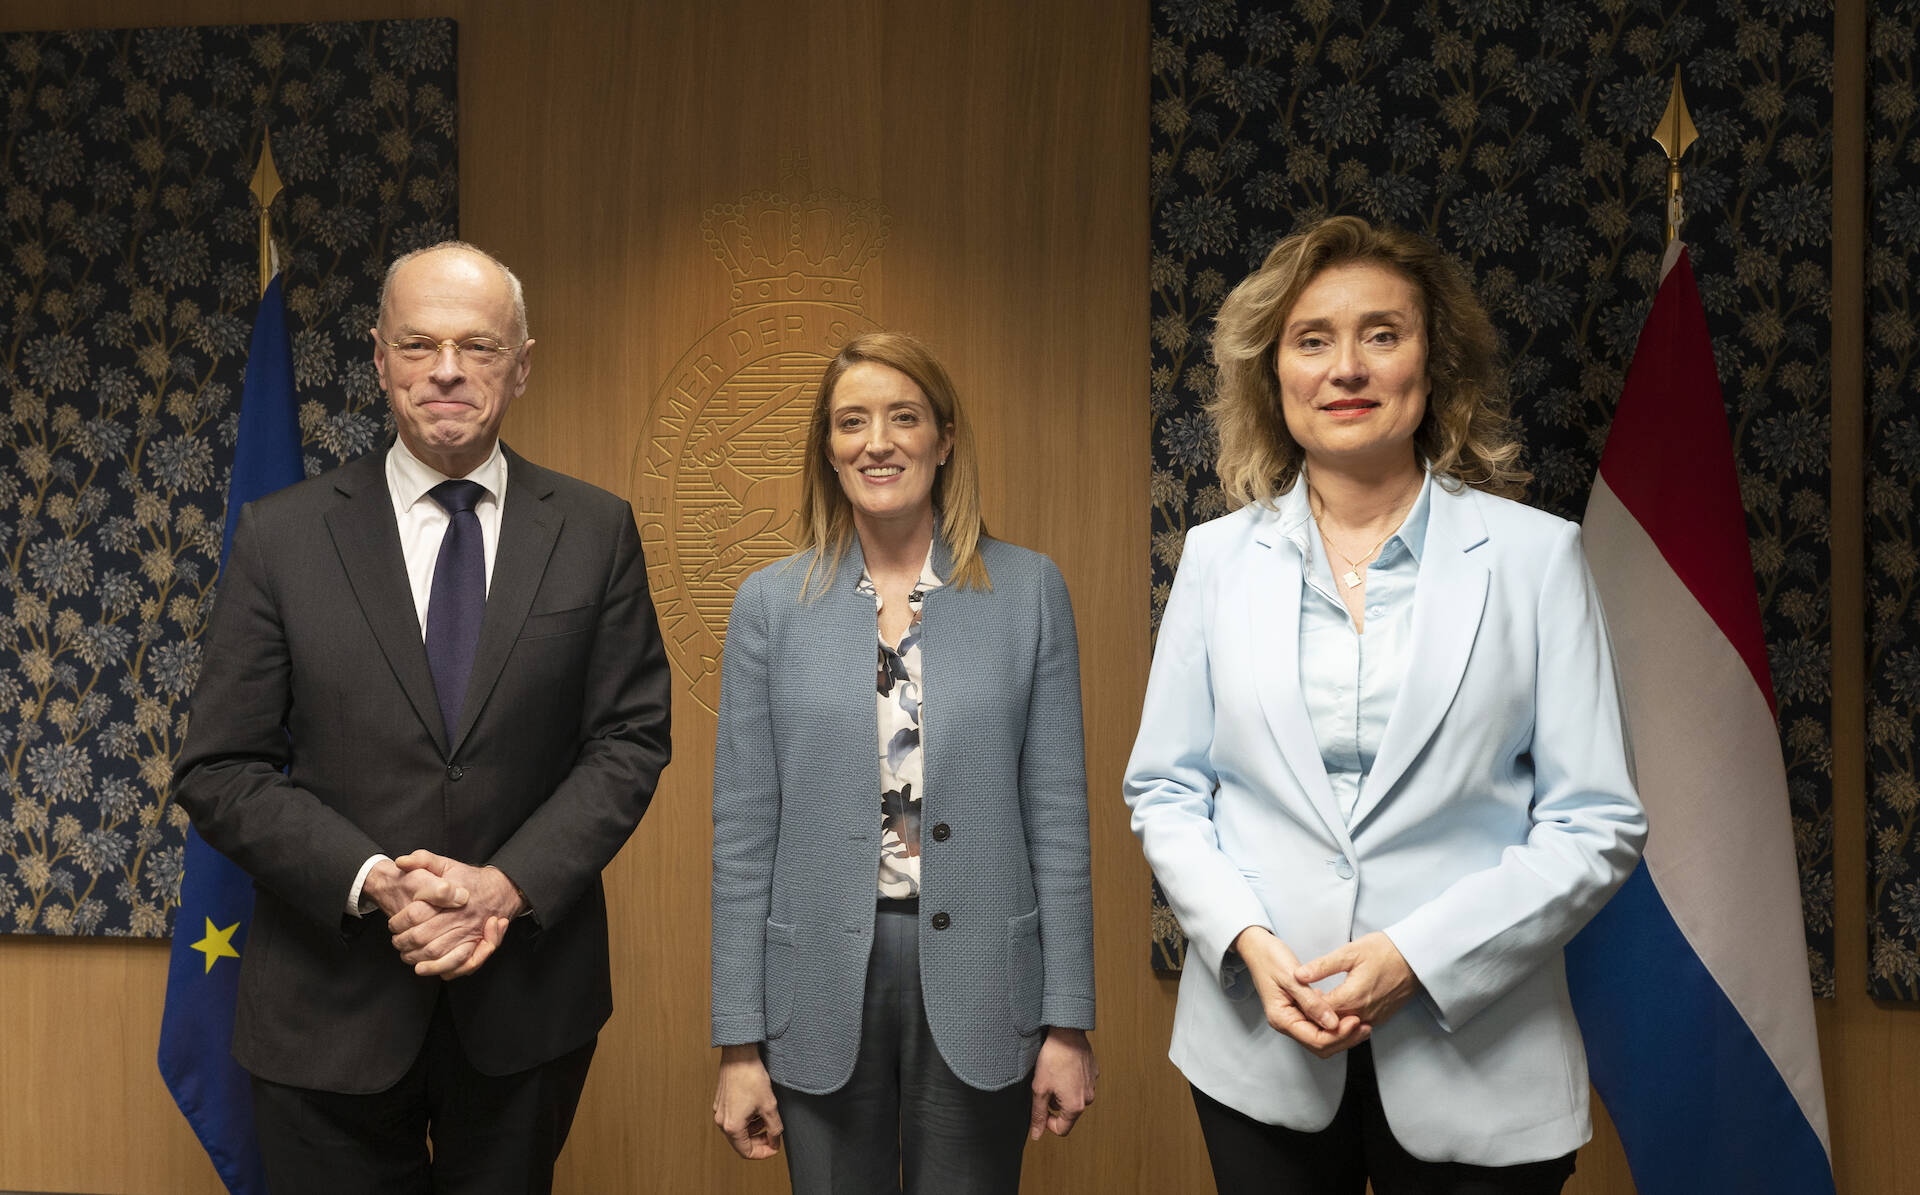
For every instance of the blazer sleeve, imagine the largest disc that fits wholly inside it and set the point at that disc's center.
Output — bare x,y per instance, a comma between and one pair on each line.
746,824
1170,780
230,774
626,740
1053,804
1491,929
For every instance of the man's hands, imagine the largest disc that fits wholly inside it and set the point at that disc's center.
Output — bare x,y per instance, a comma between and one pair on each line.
1063,1080
392,889
743,1103
447,917
1378,982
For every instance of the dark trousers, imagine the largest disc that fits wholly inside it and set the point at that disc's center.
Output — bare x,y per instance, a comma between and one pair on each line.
904,1116
1251,1156
489,1133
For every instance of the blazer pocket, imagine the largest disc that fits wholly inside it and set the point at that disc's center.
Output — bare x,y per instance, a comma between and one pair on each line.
1026,971
778,998
559,622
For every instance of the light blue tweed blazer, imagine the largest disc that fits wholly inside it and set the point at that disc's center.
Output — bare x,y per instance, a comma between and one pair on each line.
796,820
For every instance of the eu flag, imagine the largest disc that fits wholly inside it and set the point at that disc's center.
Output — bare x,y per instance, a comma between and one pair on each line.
216,897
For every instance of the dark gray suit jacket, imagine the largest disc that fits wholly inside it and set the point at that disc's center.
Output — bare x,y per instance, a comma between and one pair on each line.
796,821
314,664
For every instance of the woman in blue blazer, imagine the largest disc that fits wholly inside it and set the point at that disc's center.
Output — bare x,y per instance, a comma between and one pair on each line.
1382,735
902,921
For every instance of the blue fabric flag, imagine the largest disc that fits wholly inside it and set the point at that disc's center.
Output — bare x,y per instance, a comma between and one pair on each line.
216,897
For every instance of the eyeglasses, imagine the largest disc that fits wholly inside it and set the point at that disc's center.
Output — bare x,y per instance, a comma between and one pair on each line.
480,352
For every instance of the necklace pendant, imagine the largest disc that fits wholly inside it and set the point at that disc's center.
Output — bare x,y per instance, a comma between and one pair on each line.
1351,579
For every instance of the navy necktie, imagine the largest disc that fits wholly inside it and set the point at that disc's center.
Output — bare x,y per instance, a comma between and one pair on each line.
458,599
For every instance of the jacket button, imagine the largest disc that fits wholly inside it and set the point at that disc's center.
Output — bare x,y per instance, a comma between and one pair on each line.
455,771
1343,869
941,921
940,832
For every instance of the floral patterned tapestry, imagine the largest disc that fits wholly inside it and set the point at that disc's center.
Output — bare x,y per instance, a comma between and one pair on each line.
1893,471
1516,133
130,280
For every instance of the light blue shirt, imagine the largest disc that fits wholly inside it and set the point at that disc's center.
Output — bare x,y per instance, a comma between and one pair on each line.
1350,680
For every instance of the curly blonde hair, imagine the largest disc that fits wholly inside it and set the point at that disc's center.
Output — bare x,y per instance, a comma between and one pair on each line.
1466,435
825,511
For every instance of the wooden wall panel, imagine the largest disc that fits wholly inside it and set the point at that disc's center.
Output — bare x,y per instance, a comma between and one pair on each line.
1007,142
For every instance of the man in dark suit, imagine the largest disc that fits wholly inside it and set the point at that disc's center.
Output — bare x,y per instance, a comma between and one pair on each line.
433,705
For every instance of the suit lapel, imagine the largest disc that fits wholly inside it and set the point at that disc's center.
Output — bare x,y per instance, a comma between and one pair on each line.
368,542
853,638
1273,641
529,527
832,659
1448,600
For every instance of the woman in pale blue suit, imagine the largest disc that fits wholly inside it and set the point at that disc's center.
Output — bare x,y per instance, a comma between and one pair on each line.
1382,734
902,921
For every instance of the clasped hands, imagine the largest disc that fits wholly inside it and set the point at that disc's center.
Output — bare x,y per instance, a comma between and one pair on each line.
1378,982
446,917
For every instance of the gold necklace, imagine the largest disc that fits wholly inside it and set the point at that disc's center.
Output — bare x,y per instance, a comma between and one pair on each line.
1353,578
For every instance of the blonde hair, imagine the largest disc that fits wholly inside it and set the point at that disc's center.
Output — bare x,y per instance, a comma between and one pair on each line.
1466,435
825,510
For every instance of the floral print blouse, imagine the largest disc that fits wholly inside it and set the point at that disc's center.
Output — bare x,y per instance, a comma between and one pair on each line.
897,698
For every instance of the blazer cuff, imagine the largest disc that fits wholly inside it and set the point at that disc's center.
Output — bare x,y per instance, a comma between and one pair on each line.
1443,980
738,1030
1066,1010
1212,936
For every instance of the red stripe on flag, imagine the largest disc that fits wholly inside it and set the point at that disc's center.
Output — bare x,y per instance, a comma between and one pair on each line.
1669,459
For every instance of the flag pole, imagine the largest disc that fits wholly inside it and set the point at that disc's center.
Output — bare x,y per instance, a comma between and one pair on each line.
265,187
1674,134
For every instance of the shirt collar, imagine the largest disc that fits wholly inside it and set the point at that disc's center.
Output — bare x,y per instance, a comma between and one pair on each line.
1295,516
1297,525
410,478
1413,529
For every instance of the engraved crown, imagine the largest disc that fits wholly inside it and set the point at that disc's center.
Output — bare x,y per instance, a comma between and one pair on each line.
782,250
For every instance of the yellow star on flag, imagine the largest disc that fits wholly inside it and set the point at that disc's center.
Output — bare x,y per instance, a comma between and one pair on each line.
218,943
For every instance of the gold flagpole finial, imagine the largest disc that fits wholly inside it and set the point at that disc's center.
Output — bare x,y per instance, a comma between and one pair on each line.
1674,133
265,185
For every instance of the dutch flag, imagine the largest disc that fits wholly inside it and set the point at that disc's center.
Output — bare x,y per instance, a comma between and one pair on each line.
1691,985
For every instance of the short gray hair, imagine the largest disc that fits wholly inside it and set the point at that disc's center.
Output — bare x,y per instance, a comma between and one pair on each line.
514,290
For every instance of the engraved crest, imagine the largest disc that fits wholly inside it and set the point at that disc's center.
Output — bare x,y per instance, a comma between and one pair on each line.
716,476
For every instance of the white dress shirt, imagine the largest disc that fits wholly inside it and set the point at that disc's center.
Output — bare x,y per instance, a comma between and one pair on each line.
423,524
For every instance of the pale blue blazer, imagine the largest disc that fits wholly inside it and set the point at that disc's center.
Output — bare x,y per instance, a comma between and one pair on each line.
1006,918
1499,816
